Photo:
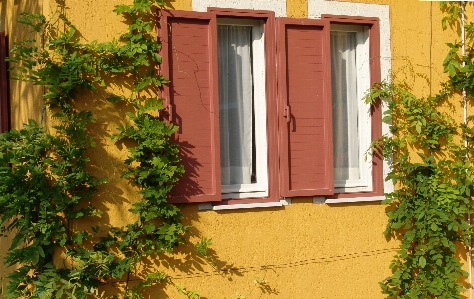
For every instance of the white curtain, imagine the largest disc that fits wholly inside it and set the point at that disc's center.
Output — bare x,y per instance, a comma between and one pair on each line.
345,106
235,103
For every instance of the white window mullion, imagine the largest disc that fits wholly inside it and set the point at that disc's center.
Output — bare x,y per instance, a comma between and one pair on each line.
365,125
260,104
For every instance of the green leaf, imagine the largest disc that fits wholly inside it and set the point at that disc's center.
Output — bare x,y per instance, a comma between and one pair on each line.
422,261
59,293
418,127
115,98
40,251
78,237
119,9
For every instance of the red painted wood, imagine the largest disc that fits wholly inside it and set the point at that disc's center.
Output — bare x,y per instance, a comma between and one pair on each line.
305,85
268,16
376,111
4,95
189,53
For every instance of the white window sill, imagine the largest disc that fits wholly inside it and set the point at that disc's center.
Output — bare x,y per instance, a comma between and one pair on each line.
286,202
209,206
354,199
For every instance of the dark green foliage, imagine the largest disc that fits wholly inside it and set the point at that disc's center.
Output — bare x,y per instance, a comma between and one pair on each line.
429,206
45,180
428,211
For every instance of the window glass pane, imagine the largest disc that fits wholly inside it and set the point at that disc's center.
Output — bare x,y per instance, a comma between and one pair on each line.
236,104
345,106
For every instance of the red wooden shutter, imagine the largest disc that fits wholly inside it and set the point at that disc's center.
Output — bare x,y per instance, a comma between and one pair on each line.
304,92
190,63
4,109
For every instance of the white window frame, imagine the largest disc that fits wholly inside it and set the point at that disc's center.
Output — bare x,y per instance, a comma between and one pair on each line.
259,189
364,183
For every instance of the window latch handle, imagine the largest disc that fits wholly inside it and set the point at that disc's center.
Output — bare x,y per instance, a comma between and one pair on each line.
169,108
287,113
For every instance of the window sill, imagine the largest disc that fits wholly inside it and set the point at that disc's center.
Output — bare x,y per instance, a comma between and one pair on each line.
209,206
286,202
349,200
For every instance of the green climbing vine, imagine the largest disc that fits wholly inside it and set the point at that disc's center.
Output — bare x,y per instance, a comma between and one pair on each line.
46,184
433,171
44,172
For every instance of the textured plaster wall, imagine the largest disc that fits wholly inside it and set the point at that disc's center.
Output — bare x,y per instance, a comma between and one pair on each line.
415,48
297,8
420,51
303,250
278,6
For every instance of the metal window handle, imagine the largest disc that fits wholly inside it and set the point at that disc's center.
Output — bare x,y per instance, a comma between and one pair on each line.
170,112
287,113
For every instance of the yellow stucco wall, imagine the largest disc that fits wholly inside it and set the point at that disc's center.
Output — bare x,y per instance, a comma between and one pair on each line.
304,250
297,8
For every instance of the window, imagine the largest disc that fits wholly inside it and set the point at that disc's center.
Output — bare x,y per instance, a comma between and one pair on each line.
258,119
222,97
350,79
242,111
356,174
